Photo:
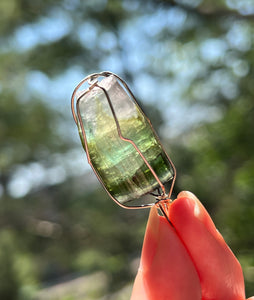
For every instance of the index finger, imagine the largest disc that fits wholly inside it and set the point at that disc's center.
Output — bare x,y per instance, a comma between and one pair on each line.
218,269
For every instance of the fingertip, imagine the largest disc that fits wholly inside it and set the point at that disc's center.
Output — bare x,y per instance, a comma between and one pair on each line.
187,209
191,201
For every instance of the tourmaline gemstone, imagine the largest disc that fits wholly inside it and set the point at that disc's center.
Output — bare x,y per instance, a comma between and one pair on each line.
119,166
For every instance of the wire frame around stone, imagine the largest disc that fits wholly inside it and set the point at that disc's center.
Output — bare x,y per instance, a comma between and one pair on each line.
121,145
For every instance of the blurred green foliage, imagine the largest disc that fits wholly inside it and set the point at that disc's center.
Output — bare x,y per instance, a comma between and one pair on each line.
192,64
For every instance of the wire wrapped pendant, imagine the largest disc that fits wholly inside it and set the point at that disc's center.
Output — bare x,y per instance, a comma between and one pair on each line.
121,145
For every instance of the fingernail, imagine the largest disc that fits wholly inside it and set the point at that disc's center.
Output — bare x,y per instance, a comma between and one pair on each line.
187,194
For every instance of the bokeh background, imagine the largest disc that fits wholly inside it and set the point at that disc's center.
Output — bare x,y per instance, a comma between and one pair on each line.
191,65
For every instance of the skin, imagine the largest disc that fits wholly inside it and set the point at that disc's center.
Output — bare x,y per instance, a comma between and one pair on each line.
189,260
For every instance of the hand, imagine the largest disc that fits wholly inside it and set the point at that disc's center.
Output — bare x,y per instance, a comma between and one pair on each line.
189,260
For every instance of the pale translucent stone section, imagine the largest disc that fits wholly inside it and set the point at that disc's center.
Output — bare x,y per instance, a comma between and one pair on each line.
120,167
